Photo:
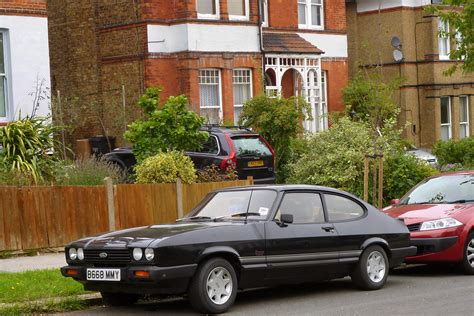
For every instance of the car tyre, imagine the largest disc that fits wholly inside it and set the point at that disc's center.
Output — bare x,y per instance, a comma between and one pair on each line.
468,258
371,271
119,299
214,287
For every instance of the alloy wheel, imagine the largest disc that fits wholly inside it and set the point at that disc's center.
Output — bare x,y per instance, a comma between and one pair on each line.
219,285
376,267
470,253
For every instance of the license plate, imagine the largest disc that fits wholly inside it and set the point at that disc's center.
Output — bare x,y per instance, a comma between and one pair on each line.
103,274
256,163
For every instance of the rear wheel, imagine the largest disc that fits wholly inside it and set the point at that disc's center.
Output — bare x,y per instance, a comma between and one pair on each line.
371,271
468,258
119,299
214,287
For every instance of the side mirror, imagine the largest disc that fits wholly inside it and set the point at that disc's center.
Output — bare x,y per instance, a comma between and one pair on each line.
286,218
394,201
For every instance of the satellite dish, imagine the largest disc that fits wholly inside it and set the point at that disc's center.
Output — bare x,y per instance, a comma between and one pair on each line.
396,42
398,55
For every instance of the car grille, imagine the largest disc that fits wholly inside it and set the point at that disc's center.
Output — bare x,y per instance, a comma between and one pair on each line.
414,227
114,256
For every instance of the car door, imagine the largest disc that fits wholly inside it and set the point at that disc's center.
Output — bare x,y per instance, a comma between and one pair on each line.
294,250
347,216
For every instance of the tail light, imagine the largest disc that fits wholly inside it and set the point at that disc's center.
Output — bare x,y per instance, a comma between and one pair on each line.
271,149
231,160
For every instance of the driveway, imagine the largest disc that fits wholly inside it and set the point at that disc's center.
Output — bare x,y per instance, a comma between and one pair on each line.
416,290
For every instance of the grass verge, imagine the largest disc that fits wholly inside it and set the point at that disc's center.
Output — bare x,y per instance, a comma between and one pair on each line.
49,306
36,285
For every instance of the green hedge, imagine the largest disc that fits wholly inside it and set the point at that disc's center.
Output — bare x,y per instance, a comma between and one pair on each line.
454,152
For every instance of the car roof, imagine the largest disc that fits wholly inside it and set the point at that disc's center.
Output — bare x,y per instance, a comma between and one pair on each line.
451,173
286,187
233,130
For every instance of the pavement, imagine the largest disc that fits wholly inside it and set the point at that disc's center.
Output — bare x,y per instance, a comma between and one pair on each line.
43,261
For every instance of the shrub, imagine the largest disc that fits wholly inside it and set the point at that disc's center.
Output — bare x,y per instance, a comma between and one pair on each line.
455,152
213,173
91,171
171,127
401,173
166,167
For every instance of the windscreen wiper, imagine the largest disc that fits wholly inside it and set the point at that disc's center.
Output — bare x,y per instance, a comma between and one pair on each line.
459,201
193,218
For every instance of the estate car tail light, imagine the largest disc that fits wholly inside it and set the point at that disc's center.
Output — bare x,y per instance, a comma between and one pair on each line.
231,160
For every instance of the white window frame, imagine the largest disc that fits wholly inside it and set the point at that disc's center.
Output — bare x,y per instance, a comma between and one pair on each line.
324,101
209,16
443,40
308,25
265,13
245,17
6,75
219,106
449,124
464,124
233,86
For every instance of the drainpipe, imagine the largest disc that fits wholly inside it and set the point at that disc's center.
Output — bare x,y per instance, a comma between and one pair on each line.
260,35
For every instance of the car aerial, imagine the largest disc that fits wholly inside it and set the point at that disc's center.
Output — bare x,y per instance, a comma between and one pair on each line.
240,238
439,212
248,152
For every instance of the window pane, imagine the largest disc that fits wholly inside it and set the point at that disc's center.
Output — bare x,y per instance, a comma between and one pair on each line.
262,201
210,146
301,13
316,15
206,6
340,208
236,7
211,115
305,208
226,204
2,57
445,115
252,146
445,132
463,109
463,131
3,108
237,114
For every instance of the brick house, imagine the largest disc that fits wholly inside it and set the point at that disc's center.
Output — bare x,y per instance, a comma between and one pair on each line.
402,37
217,52
24,58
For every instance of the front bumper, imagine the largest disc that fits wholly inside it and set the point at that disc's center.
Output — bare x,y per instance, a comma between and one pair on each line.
398,255
160,280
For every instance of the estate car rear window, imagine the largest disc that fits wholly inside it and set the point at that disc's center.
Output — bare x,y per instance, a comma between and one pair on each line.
235,204
210,146
250,146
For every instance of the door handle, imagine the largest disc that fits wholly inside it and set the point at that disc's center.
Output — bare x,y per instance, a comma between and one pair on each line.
328,229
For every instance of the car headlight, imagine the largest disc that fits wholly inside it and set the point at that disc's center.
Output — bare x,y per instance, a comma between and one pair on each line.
80,254
137,254
149,254
440,224
72,253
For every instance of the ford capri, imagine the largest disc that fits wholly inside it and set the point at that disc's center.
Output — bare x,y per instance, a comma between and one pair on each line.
240,238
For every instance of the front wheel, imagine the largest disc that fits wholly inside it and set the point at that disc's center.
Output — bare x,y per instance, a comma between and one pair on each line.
119,299
214,287
371,271
468,258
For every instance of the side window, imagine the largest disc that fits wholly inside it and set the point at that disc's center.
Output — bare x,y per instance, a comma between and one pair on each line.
210,146
341,209
305,207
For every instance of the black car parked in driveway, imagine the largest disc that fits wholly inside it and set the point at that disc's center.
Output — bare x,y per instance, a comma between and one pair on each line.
242,238
248,152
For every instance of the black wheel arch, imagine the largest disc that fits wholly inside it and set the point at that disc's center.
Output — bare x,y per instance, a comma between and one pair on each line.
227,253
377,241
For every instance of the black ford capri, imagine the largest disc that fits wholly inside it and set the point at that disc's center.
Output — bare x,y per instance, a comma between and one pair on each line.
242,238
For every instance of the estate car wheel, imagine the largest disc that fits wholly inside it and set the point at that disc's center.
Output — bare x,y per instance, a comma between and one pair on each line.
468,258
214,286
119,299
371,271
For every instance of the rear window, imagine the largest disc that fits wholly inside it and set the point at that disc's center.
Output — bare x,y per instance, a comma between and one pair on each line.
250,146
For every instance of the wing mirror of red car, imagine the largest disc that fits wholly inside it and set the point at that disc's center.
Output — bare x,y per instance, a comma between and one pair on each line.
394,201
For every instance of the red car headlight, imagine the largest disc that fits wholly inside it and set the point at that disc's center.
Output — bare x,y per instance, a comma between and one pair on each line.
440,224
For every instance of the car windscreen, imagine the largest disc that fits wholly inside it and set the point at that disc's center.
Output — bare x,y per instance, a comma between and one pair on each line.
445,189
250,146
256,204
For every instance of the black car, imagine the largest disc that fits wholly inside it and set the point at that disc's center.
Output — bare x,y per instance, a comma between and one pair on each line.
243,238
248,152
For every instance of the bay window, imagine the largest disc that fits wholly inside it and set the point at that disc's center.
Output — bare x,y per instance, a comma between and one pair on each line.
446,131
444,44
238,9
311,14
207,9
242,85
210,95
463,116
3,77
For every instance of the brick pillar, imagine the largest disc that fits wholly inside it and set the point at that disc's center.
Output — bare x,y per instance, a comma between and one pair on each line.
227,96
224,12
257,81
189,81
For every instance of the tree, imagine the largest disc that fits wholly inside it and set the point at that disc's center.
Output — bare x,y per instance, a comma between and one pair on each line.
279,121
459,14
172,127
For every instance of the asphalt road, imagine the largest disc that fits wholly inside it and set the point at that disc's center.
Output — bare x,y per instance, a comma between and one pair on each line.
417,290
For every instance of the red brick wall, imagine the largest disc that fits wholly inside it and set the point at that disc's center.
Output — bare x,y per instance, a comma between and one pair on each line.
335,15
23,7
337,77
283,13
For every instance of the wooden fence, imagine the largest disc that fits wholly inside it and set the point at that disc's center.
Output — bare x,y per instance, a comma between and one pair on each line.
42,217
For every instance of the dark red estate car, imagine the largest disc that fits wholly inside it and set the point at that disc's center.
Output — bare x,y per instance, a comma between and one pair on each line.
439,213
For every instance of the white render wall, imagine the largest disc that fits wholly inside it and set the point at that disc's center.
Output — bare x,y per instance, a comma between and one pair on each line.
28,61
228,38
373,5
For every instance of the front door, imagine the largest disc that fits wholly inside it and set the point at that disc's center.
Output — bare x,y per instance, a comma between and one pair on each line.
304,248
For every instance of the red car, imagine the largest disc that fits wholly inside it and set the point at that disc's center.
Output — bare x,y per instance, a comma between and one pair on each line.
439,213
